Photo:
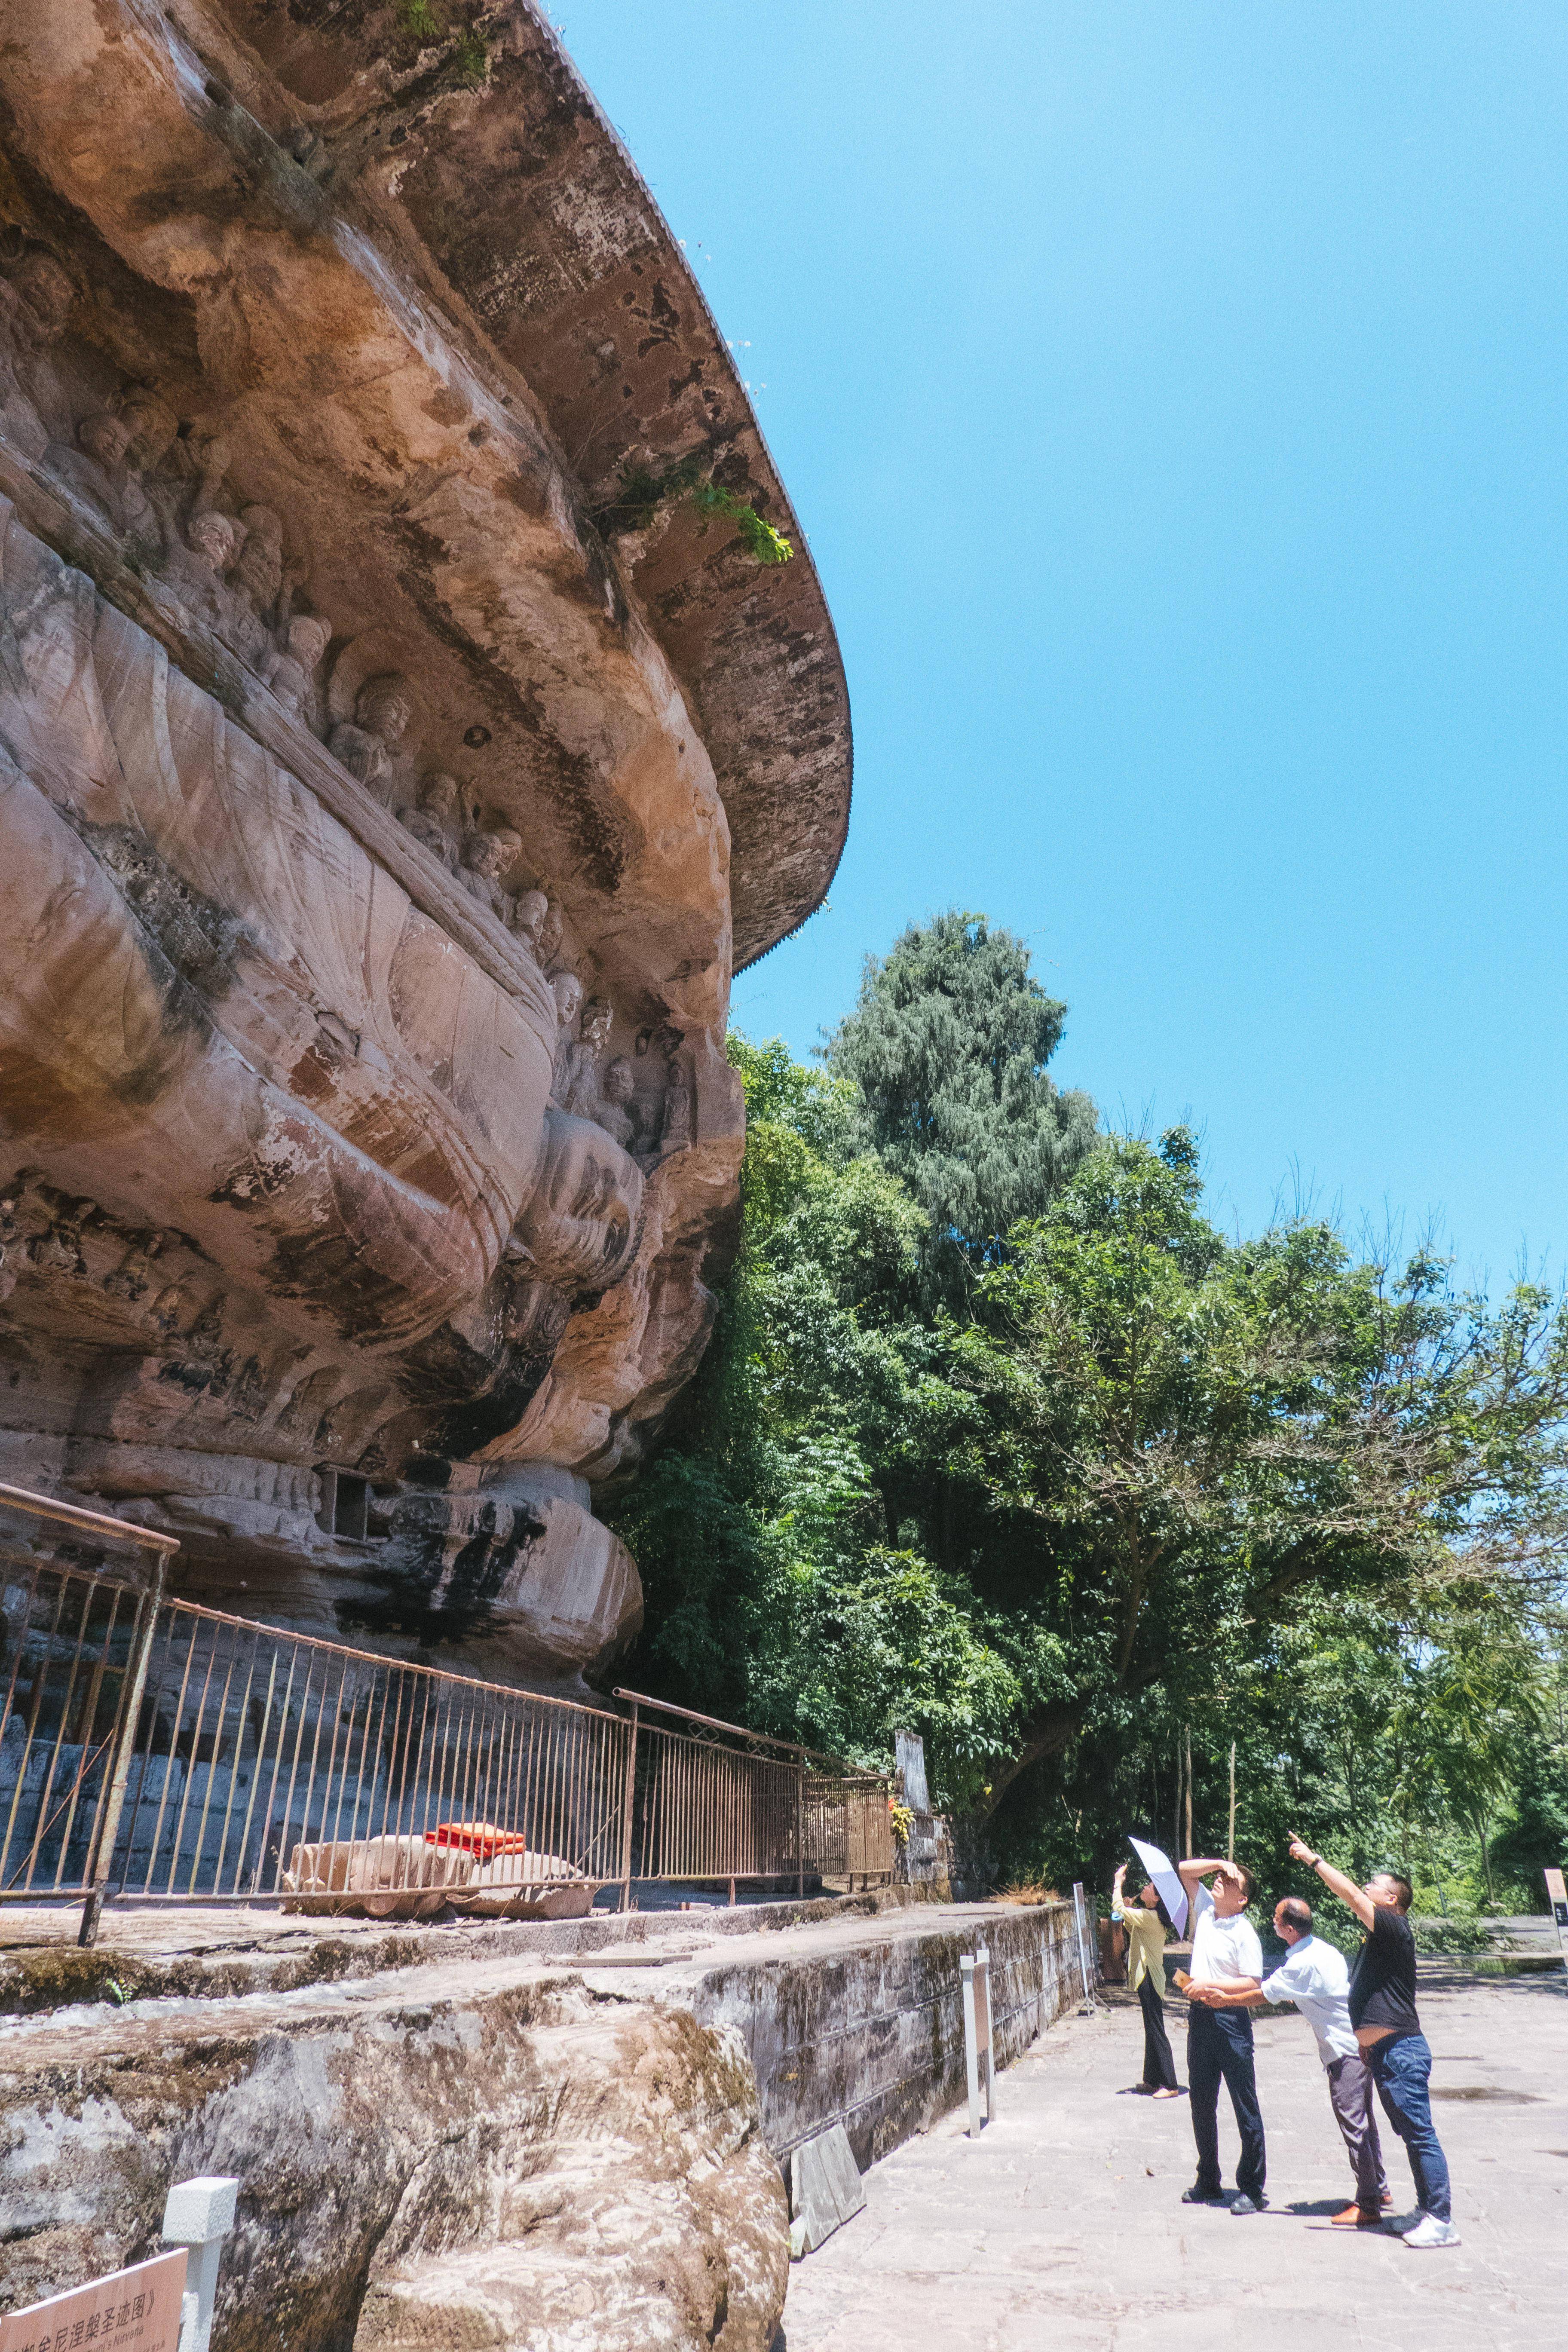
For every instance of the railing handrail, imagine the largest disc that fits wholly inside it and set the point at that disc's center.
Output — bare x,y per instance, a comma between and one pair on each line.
73,1514
842,1770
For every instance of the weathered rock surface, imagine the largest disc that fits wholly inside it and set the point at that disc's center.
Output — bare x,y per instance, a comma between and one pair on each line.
385,796
474,2156
539,2136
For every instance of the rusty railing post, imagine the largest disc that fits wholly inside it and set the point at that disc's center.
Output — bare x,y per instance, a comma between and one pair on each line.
800,1829
107,1829
626,1823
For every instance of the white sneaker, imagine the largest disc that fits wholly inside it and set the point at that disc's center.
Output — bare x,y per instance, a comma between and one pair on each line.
1430,2232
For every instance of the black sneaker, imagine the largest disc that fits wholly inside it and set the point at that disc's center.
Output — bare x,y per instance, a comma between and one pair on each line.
1197,2196
1246,2204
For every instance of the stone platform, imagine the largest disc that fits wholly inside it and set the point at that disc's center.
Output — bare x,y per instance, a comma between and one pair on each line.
1063,2226
559,2134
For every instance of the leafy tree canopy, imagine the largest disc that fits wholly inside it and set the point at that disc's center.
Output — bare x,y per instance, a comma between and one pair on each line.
1134,1486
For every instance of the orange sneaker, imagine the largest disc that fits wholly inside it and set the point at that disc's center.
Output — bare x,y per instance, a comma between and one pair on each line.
1353,2217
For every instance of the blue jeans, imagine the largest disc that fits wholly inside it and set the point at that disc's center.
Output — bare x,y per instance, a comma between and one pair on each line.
1402,2069
1219,2049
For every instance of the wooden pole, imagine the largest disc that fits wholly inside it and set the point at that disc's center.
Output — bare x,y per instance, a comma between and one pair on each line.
1187,1746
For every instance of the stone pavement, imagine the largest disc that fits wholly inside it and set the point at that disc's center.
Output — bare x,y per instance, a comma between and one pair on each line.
1062,2228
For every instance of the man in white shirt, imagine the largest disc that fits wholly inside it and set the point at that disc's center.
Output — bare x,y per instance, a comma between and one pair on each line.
1316,1977
1225,1953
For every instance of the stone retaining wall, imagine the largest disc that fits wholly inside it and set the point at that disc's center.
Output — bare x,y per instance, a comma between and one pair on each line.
871,2036
561,2137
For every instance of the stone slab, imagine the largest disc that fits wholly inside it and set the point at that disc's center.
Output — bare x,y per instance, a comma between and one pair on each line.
824,2190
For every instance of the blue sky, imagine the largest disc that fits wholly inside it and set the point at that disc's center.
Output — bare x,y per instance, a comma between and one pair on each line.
1173,396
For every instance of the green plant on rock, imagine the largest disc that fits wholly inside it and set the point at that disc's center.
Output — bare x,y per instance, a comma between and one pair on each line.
757,534
422,22
644,489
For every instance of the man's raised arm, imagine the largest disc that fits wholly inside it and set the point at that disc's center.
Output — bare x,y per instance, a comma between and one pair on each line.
1353,1897
1193,1873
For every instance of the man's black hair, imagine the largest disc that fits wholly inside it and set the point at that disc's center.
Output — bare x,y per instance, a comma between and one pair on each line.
1248,1880
1298,1913
1404,1893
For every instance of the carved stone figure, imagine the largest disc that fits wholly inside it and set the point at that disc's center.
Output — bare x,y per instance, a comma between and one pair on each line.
529,920
486,857
96,468
291,671
258,574
549,944
36,304
366,744
164,463
578,1065
434,821
613,1112
567,990
197,566
675,1132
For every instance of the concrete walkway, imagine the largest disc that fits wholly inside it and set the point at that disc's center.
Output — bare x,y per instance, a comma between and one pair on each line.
1062,2228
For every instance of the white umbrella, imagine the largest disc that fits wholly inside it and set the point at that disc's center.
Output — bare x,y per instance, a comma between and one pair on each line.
1172,1894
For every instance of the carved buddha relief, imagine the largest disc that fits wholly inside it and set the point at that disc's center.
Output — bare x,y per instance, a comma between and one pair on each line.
435,820
290,669
367,744
528,922
487,856
96,468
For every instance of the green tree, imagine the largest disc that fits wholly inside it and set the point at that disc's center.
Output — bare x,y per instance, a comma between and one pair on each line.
946,1051
1210,1435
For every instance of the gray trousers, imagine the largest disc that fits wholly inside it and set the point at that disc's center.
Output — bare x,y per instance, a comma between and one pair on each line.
1349,2090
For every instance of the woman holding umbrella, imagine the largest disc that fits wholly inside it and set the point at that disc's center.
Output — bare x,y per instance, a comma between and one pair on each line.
1147,1923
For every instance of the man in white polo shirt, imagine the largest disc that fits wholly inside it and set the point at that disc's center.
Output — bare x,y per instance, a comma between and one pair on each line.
1316,1977
1225,1953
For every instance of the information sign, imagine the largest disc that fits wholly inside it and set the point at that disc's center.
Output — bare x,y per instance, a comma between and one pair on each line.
136,2310
1557,1895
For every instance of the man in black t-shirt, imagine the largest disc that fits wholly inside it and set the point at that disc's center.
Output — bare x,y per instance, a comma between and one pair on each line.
1383,2011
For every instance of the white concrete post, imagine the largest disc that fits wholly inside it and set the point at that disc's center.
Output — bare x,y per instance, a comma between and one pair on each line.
199,2214
978,2045
971,2059
1080,1910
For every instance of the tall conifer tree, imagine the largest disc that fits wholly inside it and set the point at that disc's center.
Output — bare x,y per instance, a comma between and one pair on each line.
947,1047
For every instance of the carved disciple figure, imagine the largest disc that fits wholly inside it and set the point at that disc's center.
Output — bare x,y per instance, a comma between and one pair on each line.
612,1112
486,857
36,303
577,1068
198,568
96,468
549,936
676,1132
527,923
291,672
365,743
434,821
257,587
567,990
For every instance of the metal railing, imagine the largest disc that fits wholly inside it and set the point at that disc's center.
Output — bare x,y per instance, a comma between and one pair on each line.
172,1754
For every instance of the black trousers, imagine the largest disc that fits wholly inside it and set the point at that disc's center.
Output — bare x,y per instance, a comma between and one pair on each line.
1219,2049
1159,2067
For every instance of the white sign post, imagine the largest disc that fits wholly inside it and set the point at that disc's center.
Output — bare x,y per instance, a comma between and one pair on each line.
977,2038
199,2215
1080,1912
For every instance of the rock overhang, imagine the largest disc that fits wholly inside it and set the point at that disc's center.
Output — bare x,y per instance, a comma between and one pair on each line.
326,294
469,146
